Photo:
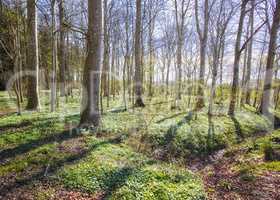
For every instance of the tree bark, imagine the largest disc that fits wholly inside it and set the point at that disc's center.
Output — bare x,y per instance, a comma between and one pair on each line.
266,97
237,55
138,68
203,37
62,50
32,57
54,58
90,114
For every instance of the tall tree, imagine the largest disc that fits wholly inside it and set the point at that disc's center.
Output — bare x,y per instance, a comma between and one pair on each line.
266,97
138,67
219,19
181,9
62,49
32,57
247,91
54,56
237,55
203,37
90,114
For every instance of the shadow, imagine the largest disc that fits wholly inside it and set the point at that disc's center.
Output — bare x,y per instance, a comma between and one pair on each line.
170,117
8,127
238,130
37,122
54,167
24,148
172,131
158,103
7,114
116,180
210,136
118,110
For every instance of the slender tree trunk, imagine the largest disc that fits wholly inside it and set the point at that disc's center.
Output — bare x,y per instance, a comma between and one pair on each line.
32,57
249,60
151,52
138,68
265,101
62,50
167,76
259,73
90,114
113,71
203,38
54,59
221,67
237,55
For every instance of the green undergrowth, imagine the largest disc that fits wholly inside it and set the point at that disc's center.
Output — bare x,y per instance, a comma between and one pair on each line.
198,135
117,172
252,159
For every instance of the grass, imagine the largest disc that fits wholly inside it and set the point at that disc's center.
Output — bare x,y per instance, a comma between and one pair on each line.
112,163
119,173
252,161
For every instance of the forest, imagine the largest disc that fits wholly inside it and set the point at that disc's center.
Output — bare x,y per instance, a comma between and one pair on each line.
139,99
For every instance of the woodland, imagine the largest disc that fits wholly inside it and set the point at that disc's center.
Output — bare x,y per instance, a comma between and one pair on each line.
139,99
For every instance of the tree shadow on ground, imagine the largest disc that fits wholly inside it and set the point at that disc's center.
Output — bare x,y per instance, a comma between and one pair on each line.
117,179
210,136
172,131
170,117
41,175
26,147
238,130
37,122
9,127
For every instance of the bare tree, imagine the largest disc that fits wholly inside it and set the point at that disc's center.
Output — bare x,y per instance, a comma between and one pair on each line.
181,9
203,37
266,97
219,20
91,79
237,55
249,59
138,67
54,56
62,49
32,57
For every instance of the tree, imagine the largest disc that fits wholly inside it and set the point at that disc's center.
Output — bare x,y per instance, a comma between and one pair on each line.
249,59
138,67
266,96
90,114
32,57
62,49
219,20
180,15
237,55
54,56
203,37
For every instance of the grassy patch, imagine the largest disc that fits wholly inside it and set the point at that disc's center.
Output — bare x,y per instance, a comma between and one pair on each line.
119,173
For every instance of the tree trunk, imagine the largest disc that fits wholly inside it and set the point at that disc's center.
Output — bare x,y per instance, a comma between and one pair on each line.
203,38
138,68
237,54
265,101
54,58
105,68
90,114
62,50
32,57
249,59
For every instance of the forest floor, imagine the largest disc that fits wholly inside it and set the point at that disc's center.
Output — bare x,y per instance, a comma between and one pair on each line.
150,153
